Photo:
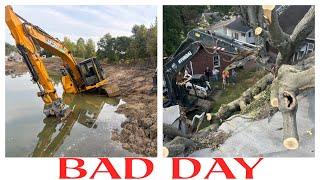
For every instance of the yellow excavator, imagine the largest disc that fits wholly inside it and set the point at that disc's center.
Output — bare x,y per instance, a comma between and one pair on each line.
77,77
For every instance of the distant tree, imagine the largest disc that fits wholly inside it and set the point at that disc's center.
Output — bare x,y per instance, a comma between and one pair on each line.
90,48
80,48
139,44
106,48
10,48
71,46
152,41
122,47
179,20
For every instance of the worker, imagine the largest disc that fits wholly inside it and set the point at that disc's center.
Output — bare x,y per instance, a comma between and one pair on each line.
207,73
224,80
215,73
226,75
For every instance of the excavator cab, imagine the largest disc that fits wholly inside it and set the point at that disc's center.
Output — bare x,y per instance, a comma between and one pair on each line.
91,71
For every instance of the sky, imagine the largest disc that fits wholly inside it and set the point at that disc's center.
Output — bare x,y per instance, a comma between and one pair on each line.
85,21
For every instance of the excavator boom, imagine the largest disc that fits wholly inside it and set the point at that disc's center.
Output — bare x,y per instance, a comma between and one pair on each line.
76,77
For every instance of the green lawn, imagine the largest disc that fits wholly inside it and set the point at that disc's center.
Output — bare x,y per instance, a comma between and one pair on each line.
245,79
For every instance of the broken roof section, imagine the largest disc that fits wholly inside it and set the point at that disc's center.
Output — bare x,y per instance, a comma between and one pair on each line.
291,16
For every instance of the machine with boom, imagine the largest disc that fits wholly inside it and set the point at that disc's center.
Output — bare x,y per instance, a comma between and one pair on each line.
84,76
179,89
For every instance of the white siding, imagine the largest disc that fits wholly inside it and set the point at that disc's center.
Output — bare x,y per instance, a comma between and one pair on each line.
251,38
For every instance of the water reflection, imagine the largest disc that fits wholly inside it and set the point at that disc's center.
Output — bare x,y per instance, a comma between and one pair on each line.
86,110
86,132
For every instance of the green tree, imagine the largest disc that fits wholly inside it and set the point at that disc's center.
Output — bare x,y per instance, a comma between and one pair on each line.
10,48
90,48
141,45
139,42
71,46
122,47
106,48
179,20
152,41
80,48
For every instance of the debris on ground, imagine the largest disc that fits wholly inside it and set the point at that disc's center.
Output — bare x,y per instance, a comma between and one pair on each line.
264,138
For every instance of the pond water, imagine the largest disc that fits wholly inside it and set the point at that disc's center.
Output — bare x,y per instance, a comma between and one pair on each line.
86,132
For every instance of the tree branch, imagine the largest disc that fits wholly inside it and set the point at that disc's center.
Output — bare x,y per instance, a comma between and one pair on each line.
304,27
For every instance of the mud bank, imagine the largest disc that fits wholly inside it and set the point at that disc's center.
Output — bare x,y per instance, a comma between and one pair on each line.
139,134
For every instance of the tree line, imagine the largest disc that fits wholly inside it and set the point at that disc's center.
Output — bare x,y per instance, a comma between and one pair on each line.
141,45
81,48
10,48
179,20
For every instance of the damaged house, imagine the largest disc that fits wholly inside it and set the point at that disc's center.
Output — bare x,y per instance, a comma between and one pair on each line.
289,17
233,28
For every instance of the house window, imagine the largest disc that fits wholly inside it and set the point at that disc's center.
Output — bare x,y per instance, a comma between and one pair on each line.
249,34
310,47
216,60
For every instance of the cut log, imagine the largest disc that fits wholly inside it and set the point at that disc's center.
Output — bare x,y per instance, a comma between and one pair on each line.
179,146
174,150
173,132
288,107
289,82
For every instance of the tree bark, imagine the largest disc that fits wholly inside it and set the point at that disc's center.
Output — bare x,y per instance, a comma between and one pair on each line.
286,44
290,81
173,132
179,145
225,111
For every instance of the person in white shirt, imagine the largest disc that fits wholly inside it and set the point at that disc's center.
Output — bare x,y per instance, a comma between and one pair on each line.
215,73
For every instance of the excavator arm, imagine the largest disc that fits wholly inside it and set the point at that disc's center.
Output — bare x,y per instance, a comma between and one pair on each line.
25,42
77,77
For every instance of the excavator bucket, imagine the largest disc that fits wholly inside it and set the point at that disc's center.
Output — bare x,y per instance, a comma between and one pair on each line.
112,90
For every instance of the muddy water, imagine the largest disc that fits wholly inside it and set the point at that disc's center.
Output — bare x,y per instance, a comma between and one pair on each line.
86,132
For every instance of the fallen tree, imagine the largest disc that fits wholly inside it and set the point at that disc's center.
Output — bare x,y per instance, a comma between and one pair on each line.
277,90
226,110
286,79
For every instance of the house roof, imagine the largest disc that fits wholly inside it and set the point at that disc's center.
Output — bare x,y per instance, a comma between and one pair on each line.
239,25
222,24
291,17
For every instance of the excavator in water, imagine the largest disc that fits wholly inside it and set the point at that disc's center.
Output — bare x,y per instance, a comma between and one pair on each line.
77,77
